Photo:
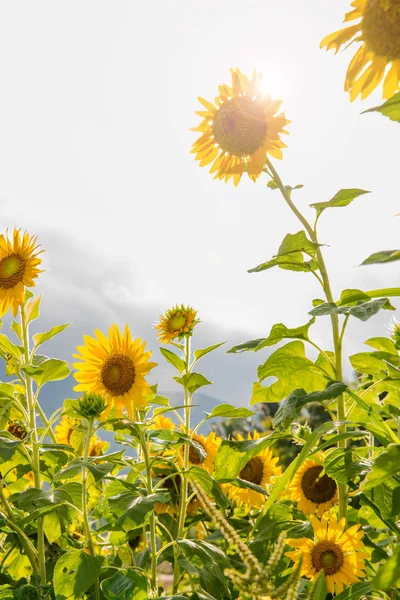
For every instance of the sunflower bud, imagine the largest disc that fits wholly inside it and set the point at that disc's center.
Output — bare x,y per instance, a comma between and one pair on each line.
91,405
395,333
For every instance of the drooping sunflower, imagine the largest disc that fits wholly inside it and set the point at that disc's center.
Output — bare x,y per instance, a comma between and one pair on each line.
209,445
19,261
161,422
338,552
176,322
115,367
17,430
65,429
314,491
239,129
260,470
378,56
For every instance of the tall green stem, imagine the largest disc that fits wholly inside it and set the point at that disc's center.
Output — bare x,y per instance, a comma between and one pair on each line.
337,339
184,483
35,445
149,481
85,514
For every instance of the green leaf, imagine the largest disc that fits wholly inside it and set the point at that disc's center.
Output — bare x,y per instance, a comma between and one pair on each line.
208,562
382,344
342,198
52,526
366,362
32,309
293,369
40,338
290,262
233,456
51,369
125,585
349,296
8,446
390,108
133,512
202,351
389,573
374,421
319,591
173,359
384,256
193,381
289,409
16,327
356,591
230,412
208,484
362,311
278,333
385,465
75,572
9,348
297,242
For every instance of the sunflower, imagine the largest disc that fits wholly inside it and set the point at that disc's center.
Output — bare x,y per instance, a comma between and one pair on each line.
260,470
18,268
17,430
209,445
338,552
313,491
115,368
161,422
378,56
176,322
239,130
68,432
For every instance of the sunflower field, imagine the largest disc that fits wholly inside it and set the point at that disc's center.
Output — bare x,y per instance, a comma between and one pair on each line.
172,509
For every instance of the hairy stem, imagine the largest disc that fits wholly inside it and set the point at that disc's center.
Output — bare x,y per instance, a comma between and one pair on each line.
337,339
149,482
184,483
85,514
35,445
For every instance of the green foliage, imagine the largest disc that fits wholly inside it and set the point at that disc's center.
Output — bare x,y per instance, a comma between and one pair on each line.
342,198
74,573
278,333
384,256
390,108
125,585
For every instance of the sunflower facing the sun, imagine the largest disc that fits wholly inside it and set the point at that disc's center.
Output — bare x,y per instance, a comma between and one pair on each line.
115,367
239,130
260,470
19,264
338,552
378,57
314,491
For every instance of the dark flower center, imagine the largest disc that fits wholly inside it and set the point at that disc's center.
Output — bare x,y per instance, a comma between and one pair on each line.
381,27
253,471
12,269
315,488
328,556
239,126
16,430
118,374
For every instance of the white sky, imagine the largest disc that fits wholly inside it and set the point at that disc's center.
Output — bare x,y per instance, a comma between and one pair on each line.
96,103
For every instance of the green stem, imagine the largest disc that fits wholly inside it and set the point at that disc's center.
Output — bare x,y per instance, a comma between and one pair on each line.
30,550
152,524
184,483
337,339
35,445
85,515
